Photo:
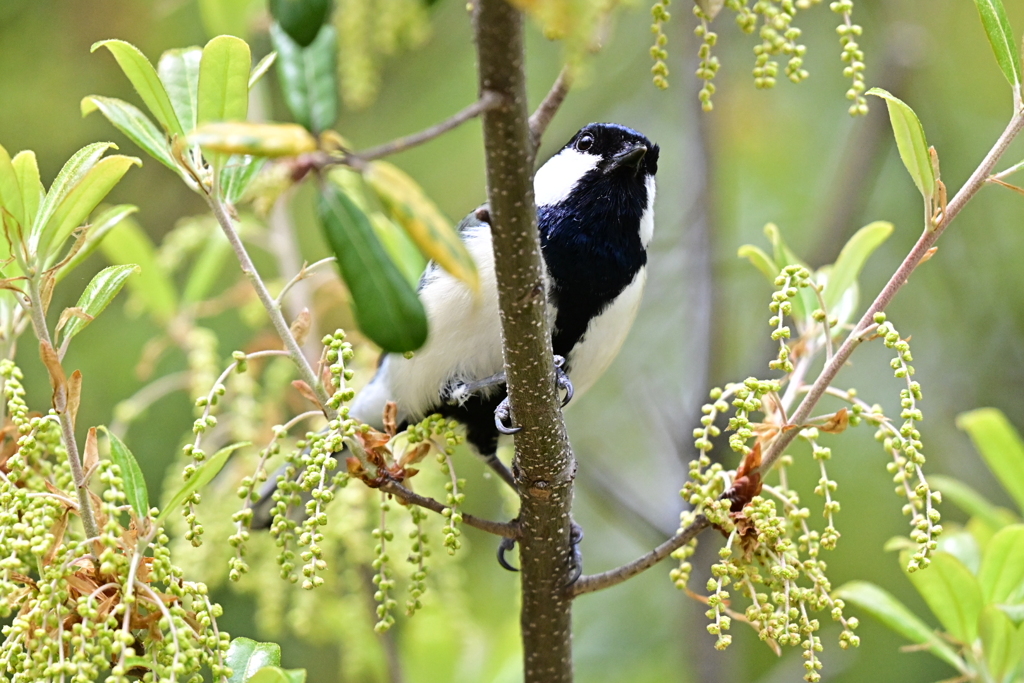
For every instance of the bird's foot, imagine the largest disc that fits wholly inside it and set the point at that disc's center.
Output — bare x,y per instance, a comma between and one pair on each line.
506,545
575,555
562,379
503,414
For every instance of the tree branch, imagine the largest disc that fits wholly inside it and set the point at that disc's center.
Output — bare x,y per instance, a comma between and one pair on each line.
544,465
613,577
504,529
546,110
924,244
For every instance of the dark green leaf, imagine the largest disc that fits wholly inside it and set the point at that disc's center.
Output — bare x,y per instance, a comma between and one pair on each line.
970,501
895,615
146,81
134,124
101,225
308,77
1002,566
179,72
98,294
1001,641
246,657
952,593
385,305
128,243
1001,447
134,483
203,475
910,141
300,19
1000,36
224,80
851,260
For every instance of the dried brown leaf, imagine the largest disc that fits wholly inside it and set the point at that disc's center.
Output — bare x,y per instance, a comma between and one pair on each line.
306,391
91,454
301,325
58,381
74,395
72,312
838,423
391,418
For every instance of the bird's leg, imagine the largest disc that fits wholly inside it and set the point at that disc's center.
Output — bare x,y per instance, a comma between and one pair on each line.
575,560
500,469
503,413
506,545
562,379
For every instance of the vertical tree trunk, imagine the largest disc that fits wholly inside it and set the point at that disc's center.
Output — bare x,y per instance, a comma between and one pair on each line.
544,465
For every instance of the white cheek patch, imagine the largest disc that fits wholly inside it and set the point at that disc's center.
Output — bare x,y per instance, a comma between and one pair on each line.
647,219
555,180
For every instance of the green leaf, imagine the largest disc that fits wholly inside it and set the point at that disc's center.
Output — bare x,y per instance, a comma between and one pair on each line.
134,124
1001,447
1016,614
32,192
308,77
146,81
98,294
238,174
1002,566
952,593
1001,642
969,500
255,139
274,674
203,475
134,483
384,303
209,266
179,72
910,141
80,163
246,657
805,302
963,546
10,190
852,258
760,260
224,80
128,243
1000,36
895,615
83,198
261,69
300,19
410,207
101,225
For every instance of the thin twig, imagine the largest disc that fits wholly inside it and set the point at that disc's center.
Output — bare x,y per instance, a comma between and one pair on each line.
488,100
546,110
613,577
505,529
919,253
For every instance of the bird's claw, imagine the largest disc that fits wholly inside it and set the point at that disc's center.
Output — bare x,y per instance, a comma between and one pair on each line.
563,381
502,414
576,563
503,547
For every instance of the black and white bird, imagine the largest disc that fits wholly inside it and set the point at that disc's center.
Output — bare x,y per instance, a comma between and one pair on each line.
595,211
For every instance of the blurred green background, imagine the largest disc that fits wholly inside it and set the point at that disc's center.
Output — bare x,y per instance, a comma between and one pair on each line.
790,156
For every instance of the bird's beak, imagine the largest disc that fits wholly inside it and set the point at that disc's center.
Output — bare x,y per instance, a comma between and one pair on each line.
630,158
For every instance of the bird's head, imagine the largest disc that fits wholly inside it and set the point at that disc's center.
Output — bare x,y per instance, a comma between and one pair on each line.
601,159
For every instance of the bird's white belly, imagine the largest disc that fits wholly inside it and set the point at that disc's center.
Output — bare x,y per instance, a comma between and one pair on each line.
596,350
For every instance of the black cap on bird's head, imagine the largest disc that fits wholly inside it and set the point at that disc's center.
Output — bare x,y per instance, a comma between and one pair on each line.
619,147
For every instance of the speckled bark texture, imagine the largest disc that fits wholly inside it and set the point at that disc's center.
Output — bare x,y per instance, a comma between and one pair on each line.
544,466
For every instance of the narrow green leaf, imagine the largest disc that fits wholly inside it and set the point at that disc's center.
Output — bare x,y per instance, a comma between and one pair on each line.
274,674
134,483
1002,566
101,225
1000,37
32,192
910,141
969,500
261,68
895,615
1000,445
146,81
246,656
308,77
805,302
300,19
384,303
224,80
952,593
209,266
98,294
1000,641
237,174
760,260
179,72
10,190
83,198
203,475
128,243
80,163
134,124
852,258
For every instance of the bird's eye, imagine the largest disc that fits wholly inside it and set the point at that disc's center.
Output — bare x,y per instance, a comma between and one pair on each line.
585,142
